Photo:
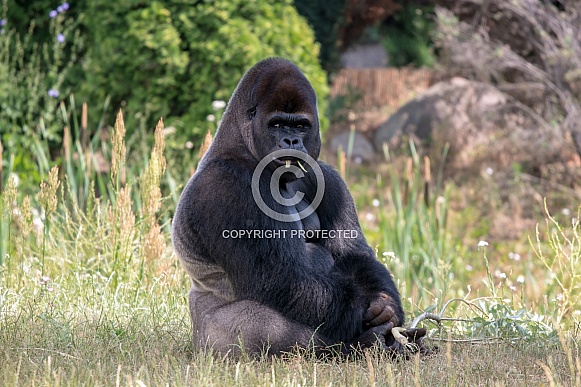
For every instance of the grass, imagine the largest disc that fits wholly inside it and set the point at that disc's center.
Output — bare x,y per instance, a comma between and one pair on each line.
91,293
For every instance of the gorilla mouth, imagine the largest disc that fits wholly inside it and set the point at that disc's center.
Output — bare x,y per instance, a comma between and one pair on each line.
288,161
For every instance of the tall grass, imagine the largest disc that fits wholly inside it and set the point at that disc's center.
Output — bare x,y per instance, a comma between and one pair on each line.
92,294
416,241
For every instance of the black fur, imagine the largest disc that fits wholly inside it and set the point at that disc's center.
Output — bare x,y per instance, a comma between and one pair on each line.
274,293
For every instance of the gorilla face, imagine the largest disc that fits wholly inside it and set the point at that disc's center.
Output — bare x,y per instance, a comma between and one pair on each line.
285,116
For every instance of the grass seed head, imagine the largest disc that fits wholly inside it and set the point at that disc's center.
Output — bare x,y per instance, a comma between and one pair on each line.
119,151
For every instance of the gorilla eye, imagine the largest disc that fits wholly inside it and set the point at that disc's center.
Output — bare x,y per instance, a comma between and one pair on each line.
300,126
277,126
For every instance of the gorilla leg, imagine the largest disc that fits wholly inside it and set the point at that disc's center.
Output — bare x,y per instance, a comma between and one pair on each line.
234,327
256,328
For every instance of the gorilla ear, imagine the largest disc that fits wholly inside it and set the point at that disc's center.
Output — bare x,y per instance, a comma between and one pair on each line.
251,113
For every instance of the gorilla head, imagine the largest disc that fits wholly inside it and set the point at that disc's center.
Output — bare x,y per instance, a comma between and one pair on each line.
274,107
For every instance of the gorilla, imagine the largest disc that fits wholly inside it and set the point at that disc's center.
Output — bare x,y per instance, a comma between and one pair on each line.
270,236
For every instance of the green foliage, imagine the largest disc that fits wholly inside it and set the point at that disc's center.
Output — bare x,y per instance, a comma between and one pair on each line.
561,256
32,81
173,58
407,37
325,16
418,245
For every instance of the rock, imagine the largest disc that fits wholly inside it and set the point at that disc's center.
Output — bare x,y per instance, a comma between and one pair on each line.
364,56
362,148
481,125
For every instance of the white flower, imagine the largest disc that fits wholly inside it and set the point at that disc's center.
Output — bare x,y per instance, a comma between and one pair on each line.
14,178
513,288
217,105
44,280
482,244
37,225
375,203
514,256
390,254
189,145
369,217
469,268
520,279
489,171
566,212
210,118
500,274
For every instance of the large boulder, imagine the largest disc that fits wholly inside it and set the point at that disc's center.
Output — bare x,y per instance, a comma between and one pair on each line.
361,148
482,125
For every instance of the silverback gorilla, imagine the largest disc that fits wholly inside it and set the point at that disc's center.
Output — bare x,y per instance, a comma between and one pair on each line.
303,277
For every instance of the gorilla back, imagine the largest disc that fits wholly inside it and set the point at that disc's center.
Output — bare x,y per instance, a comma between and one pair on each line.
272,282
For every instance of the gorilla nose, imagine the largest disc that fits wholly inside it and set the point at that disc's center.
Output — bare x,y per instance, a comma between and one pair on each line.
291,143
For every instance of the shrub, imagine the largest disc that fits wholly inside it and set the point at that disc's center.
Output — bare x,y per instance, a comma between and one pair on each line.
406,36
173,58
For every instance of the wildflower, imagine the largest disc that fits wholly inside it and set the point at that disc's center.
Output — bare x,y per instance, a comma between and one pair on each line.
469,268
489,171
65,6
15,179
566,211
389,254
60,9
37,225
2,22
369,217
513,288
482,244
217,105
514,256
189,145
520,279
210,118
53,93
500,274
375,203
52,14
44,280
60,38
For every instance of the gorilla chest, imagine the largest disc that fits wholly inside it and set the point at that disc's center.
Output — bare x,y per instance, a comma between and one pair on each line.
309,223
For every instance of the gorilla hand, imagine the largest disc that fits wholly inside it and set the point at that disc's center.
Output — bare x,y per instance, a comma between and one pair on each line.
372,336
380,311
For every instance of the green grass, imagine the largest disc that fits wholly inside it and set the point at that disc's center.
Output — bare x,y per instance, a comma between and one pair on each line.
97,297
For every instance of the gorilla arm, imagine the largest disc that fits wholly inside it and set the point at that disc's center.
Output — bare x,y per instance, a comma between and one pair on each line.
354,256
277,296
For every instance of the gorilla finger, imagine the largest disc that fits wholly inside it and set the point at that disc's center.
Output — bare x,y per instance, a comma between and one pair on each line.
383,329
373,310
386,315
